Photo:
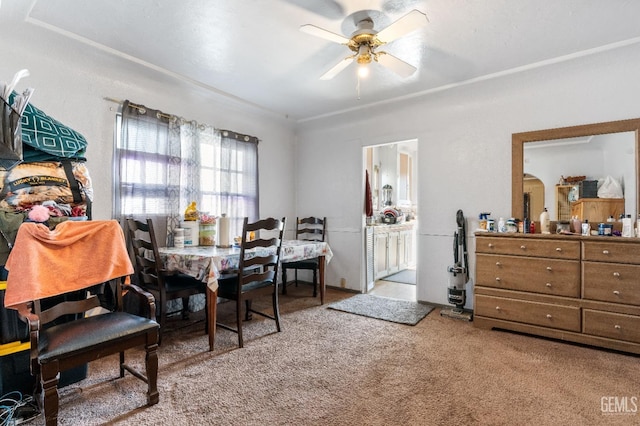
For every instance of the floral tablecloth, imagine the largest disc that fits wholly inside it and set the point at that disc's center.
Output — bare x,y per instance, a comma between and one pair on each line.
207,262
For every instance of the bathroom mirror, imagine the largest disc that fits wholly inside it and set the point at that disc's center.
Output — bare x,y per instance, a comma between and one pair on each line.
562,135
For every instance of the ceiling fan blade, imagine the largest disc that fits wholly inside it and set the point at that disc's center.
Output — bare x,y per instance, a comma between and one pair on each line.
337,68
396,65
408,23
322,33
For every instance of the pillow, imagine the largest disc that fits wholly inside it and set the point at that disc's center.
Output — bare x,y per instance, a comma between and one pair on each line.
49,136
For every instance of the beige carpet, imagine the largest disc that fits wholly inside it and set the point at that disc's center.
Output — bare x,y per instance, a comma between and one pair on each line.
333,368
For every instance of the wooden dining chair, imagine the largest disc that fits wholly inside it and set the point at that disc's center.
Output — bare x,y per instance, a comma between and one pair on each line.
257,270
153,277
56,284
307,229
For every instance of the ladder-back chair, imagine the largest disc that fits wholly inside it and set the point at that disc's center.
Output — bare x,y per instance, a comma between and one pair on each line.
257,270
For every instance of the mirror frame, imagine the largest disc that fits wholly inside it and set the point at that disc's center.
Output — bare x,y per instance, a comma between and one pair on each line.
517,152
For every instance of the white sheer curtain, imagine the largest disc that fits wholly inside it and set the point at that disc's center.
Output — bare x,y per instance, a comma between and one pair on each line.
185,169
229,174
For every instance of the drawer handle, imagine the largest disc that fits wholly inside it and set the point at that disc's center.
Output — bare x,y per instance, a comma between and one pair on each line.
616,274
523,247
490,245
617,327
605,251
498,279
616,292
498,264
558,248
549,268
497,308
549,316
548,284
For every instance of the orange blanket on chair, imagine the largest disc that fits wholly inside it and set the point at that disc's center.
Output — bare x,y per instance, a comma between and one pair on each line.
75,255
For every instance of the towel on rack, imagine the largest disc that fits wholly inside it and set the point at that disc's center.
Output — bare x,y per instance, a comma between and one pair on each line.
46,263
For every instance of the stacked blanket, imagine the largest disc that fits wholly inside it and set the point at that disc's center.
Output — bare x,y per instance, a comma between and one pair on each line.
53,172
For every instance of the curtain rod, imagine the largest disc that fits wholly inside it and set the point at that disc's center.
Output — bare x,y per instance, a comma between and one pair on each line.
140,108
226,133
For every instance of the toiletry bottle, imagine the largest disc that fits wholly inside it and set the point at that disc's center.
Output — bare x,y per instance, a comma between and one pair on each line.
586,228
502,227
638,226
482,221
576,225
526,226
626,226
545,222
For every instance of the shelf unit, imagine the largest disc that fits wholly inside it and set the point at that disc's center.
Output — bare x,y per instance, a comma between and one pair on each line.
563,205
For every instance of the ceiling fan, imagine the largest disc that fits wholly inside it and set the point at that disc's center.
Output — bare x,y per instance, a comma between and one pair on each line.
365,41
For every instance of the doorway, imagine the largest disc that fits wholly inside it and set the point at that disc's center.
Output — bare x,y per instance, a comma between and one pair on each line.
534,202
391,231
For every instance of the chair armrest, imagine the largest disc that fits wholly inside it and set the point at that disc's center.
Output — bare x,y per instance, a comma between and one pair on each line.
144,296
26,314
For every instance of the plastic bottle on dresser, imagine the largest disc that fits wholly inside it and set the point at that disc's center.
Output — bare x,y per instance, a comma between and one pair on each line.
586,228
502,226
576,225
626,226
545,222
638,226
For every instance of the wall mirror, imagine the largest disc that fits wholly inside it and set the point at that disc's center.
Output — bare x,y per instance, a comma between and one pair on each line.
393,166
540,158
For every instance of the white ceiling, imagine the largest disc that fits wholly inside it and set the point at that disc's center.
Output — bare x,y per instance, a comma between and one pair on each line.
253,50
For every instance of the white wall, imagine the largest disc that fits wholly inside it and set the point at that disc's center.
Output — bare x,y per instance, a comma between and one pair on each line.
72,80
464,152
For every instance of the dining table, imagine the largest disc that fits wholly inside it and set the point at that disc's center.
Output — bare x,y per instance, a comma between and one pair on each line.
207,263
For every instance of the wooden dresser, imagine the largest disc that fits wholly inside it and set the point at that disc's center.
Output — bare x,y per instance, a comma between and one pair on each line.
574,288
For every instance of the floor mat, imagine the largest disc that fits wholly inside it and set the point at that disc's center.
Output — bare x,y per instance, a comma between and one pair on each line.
384,308
408,276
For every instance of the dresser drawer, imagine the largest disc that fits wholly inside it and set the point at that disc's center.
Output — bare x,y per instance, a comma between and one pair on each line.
539,275
554,248
611,325
611,249
536,313
611,282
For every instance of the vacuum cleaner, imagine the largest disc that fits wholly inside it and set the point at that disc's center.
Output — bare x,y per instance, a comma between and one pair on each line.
458,273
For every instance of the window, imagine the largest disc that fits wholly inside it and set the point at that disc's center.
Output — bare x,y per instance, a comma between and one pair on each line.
229,178
141,171
162,163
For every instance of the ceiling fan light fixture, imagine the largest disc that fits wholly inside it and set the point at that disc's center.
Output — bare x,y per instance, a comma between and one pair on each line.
363,70
364,55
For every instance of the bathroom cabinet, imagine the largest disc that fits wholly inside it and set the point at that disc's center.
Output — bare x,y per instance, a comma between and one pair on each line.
393,249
